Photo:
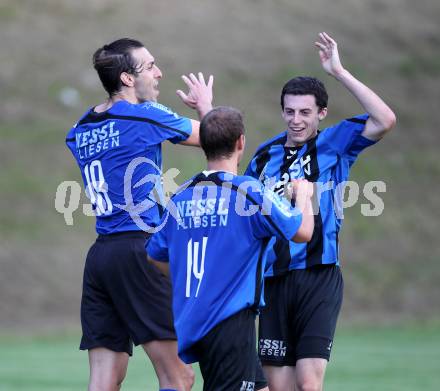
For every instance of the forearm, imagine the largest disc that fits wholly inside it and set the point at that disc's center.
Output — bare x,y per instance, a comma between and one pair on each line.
305,231
381,117
203,109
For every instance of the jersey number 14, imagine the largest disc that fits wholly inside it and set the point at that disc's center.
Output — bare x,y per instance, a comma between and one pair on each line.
194,266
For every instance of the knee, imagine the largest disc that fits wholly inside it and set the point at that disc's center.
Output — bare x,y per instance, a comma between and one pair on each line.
308,384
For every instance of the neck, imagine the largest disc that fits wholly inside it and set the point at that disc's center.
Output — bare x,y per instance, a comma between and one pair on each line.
290,142
111,100
229,165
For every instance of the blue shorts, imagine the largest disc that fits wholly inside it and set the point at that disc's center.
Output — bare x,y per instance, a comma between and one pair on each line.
125,299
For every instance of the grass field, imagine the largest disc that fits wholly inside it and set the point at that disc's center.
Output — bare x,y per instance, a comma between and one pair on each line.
389,359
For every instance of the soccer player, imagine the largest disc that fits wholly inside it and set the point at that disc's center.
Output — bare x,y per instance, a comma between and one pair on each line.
117,145
304,285
214,245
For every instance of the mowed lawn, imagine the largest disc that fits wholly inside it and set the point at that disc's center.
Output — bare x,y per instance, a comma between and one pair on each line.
386,359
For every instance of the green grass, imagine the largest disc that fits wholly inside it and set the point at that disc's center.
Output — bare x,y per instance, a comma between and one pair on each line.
404,358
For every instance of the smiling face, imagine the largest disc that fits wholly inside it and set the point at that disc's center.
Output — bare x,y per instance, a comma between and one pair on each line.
302,116
146,80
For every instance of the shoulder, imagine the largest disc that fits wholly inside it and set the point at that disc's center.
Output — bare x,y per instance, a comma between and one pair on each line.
185,187
151,110
71,133
82,119
252,188
279,139
242,180
357,121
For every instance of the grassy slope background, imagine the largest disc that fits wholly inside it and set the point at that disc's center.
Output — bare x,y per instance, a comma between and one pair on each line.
390,262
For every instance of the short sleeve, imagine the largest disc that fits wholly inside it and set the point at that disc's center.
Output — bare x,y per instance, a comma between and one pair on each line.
71,141
165,124
276,217
279,217
157,246
345,137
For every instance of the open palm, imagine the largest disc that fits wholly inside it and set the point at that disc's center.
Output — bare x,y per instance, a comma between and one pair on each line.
329,55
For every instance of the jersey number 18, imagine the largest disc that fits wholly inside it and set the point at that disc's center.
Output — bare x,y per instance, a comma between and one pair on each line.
97,188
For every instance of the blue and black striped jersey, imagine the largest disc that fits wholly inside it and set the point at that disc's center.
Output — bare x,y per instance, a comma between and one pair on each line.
214,239
326,160
120,157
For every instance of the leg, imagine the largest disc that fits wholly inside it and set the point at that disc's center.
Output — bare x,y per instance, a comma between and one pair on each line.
104,335
142,298
276,346
170,370
280,378
310,374
321,295
227,356
107,369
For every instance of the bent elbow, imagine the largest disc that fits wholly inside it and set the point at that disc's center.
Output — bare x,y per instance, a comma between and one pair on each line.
303,235
390,121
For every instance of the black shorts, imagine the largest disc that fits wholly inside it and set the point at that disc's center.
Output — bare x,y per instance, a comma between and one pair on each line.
125,299
299,319
228,357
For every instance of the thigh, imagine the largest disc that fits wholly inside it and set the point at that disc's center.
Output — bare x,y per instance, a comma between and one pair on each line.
227,355
140,293
319,300
275,335
101,324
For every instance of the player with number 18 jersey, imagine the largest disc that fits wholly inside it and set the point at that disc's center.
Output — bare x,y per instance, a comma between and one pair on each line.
117,150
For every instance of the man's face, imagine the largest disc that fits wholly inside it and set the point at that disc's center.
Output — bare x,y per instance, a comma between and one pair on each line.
302,116
146,82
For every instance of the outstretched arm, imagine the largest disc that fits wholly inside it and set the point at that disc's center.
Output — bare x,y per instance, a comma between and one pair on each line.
381,117
199,98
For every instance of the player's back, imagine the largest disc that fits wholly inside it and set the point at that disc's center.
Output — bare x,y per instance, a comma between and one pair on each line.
215,242
117,149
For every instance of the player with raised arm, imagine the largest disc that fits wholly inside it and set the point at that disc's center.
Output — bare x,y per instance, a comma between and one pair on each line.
213,242
304,286
117,145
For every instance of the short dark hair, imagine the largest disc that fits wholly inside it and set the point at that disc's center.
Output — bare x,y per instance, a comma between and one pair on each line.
113,59
219,131
306,85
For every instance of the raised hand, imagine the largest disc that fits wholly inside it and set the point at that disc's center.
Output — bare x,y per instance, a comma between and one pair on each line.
199,96
329,55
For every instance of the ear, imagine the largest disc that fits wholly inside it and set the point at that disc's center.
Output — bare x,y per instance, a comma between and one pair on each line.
322,113
127,79
241,143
